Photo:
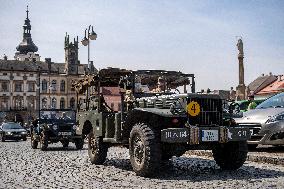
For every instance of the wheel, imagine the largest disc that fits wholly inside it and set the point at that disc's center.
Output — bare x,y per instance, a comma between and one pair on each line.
97,150
230,156
34,143
2,137
65,143
24,138
79,143
144,150
44,142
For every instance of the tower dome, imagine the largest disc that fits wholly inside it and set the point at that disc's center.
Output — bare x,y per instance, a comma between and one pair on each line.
27,45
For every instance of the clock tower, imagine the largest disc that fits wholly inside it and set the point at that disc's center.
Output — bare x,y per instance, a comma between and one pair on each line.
71,56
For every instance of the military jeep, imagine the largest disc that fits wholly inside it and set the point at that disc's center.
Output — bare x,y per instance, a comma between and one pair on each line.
144,111
54,126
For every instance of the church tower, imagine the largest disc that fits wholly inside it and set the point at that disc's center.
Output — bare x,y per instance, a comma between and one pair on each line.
26,49
71,56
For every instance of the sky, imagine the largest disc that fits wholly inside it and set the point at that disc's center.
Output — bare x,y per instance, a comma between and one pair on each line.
191,36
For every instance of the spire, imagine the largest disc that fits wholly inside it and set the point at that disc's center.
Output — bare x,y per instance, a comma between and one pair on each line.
27,11
27,44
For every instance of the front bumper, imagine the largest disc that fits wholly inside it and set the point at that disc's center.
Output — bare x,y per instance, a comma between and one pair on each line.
267,134
196,135
15,136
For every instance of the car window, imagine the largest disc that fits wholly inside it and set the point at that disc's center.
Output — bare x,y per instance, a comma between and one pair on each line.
11,126
273,102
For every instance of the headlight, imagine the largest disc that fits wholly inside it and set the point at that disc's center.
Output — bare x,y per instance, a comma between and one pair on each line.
8,133
74,127
279,117
55,127
24,132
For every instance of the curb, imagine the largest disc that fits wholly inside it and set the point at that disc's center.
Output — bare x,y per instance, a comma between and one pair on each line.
253,158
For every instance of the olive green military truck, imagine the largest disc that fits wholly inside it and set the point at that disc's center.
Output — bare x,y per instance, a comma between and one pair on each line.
145,111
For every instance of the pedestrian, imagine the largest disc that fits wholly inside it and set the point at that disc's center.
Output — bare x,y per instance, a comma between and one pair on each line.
252,104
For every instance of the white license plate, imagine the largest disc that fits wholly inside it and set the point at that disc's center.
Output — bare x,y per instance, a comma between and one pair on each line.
210,135
65,133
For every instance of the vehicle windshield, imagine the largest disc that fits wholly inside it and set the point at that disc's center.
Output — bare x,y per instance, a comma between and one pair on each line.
276,101
11,126
57,115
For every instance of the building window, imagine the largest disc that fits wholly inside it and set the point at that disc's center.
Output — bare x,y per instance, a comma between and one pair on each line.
18,87
18,74
31,87
44,103
5,87
53,103
19,103
4,101
72,103
53,85
119,106
4,73
31,75
44,85
62,86
62,103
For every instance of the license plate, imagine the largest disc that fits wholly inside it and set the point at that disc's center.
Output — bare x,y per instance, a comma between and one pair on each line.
210,135
64,133
251,132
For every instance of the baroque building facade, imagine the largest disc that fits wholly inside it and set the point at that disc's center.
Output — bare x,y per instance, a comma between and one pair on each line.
27,83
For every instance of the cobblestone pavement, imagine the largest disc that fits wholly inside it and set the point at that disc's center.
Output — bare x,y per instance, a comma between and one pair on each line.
23,167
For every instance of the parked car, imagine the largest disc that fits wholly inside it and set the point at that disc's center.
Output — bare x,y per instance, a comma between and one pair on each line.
266,122
12,131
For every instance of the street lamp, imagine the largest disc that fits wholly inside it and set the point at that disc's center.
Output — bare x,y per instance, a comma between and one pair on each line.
91,35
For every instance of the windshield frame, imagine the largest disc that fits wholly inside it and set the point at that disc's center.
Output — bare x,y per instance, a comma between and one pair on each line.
57,115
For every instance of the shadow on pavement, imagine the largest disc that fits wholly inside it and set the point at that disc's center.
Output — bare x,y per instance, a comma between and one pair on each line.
198,169
63,149
269,149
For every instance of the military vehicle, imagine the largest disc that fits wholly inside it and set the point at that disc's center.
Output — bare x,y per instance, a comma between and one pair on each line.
144,111
55,125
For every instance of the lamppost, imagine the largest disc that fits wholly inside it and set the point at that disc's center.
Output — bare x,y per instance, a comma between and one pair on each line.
91,35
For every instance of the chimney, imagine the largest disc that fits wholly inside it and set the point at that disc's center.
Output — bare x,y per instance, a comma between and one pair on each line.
270,73
5,57
279,77
262,74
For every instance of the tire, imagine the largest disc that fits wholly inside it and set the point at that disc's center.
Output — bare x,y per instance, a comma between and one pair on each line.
2,137
97,149
65,143
34,143
252,146
44,142
144,150
231,156
79,143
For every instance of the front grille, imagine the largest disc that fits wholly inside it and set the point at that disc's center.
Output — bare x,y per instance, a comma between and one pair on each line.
65,128
210,112
16,133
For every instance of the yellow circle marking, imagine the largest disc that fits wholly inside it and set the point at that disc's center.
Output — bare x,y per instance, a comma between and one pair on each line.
193,108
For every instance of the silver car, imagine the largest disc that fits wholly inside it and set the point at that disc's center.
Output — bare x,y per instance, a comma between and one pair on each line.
266,122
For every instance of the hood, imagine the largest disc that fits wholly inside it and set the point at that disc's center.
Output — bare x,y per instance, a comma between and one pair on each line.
259,115
14,130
